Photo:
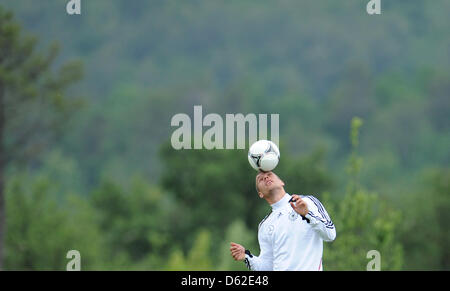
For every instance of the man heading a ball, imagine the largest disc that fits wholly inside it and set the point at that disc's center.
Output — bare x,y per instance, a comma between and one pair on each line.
291,236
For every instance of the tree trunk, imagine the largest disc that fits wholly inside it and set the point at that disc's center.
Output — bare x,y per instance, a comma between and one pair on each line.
2,176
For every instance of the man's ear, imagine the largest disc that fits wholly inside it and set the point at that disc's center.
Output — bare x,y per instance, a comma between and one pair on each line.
260,194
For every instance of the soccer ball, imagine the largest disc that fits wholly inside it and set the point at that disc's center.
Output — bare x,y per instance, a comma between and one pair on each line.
264,155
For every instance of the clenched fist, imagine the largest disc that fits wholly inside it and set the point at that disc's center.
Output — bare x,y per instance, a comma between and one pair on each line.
299,205
237,251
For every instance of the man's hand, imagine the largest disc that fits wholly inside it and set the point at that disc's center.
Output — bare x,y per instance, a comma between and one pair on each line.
237,251
299,205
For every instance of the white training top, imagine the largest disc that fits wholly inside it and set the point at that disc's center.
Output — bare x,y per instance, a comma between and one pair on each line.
290,242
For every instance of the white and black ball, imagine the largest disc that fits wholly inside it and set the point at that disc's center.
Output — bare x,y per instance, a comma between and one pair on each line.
264,155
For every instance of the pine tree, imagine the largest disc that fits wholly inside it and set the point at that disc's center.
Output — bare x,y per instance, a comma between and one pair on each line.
34,106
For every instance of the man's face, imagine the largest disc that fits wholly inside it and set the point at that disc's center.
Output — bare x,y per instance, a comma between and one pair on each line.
267,181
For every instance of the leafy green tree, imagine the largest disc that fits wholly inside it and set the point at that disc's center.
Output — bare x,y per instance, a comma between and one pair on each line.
306,174
33,101
212,188
137,223
425,231
363,222
41,229
198,258
440,182
239,233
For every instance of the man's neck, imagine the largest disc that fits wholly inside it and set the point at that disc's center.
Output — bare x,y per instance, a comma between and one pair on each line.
275,195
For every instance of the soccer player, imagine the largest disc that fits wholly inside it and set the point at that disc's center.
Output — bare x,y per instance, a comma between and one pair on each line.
291,236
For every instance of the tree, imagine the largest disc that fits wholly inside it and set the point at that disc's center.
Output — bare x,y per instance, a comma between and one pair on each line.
41,229
33,101
236,232
198,258
136,222
426,236
363,222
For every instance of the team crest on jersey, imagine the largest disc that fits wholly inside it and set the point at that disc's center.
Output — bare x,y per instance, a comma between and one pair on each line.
293,215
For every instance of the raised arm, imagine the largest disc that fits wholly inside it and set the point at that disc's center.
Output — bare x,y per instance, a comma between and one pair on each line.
315,214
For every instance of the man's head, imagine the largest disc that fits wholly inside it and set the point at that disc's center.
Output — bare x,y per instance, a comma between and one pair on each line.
267,183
